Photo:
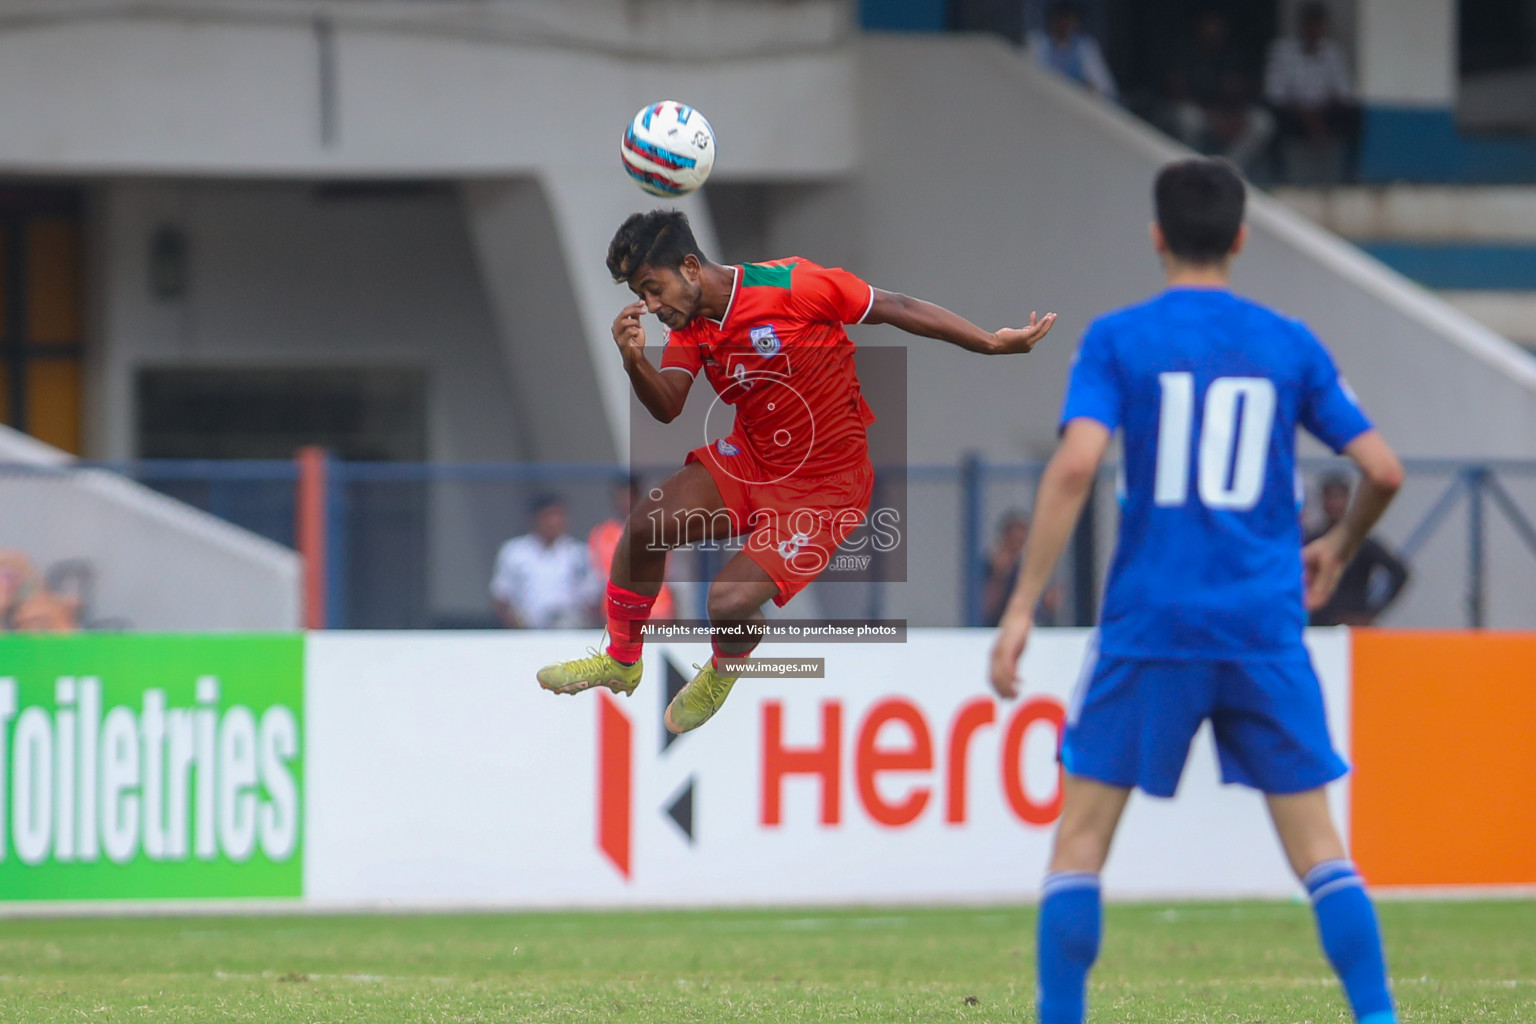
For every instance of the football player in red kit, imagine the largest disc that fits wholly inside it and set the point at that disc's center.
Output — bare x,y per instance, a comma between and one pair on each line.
793,477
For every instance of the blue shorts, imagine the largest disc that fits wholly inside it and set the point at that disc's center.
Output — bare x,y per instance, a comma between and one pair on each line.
1132,720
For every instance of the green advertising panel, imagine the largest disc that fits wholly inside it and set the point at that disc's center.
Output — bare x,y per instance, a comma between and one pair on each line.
135,766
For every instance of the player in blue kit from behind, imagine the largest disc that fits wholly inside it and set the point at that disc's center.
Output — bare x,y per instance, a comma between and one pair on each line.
1208,591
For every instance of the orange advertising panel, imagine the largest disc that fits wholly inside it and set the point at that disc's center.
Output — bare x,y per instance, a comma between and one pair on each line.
1444,751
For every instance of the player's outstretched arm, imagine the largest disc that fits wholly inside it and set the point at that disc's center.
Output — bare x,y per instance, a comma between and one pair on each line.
927,320
1063,488
1381,475
662,394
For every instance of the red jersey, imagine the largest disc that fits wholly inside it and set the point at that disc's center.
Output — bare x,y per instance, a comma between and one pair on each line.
781,357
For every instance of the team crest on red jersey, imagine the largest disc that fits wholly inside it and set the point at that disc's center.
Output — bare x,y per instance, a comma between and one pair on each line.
766,341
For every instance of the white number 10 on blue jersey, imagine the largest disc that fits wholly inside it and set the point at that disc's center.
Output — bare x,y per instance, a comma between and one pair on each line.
1234,440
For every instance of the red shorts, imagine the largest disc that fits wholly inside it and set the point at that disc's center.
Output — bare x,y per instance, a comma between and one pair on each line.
795,522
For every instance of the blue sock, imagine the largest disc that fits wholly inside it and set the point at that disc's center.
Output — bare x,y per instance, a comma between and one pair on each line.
1346,922
1070,922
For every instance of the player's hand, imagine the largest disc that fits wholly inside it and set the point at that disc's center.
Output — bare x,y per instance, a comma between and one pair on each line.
1022,339
1007,649
629,332
1322,563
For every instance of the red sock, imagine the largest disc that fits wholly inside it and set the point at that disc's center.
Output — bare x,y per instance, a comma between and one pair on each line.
627,612
714,641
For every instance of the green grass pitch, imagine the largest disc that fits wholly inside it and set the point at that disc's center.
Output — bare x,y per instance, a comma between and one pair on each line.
1239,963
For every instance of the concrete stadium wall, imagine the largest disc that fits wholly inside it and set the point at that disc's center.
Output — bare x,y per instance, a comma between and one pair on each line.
974,179
1024,193
464,92
280,277
447,89
942,166
157,563
473,285
967,177
1048,209
542,248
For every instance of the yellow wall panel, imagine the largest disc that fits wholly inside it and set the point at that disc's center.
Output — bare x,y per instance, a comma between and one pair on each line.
53,402
54,280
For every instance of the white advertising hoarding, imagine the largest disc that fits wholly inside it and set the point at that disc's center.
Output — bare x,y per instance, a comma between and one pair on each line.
439,774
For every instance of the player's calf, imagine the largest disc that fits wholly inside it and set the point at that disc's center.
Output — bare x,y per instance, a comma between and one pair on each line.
738,603
1346,920
1071,912
1351,939
735,609
1090,813
1071,922
626,612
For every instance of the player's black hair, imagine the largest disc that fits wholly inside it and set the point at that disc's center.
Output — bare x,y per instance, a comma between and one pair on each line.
1313,10
544,500
1335,482
1011,517
660,238
1199,204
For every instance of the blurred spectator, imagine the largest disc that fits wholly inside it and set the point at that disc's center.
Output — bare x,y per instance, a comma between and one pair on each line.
46,612
603,541
1371,582
1067,50
17,579
26,603
1213,100
1003,564
1307,84
544,579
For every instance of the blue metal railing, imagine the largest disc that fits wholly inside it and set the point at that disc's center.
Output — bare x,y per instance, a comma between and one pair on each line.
390,524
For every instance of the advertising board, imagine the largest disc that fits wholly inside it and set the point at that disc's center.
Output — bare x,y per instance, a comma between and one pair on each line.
136,766
440,774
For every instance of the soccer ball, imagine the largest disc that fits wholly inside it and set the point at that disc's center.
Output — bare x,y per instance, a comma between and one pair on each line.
668,148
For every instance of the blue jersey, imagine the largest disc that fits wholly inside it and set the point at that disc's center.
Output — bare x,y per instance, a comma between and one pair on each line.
1208,389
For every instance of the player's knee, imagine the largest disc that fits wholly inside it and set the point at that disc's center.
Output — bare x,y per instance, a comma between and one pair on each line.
1306,830
645,529
730,602
1306,856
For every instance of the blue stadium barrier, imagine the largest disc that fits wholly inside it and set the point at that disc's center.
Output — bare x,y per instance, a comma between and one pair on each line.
399,532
